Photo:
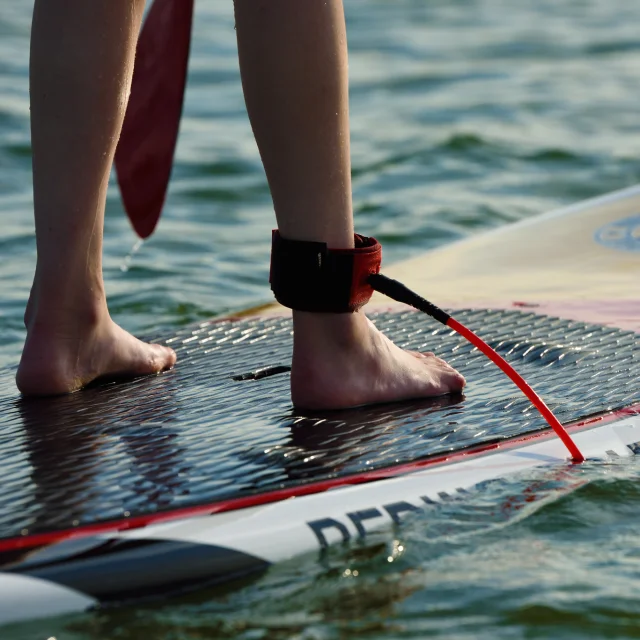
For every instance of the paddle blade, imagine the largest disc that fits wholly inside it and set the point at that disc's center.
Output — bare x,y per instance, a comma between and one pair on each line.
144,156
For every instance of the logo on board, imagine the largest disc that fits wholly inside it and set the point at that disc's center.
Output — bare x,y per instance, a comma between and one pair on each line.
623,235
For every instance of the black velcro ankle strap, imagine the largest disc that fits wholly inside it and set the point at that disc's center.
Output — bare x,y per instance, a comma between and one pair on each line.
308,276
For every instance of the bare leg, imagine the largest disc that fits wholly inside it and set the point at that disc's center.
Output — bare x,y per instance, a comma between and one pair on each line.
81,66
293,59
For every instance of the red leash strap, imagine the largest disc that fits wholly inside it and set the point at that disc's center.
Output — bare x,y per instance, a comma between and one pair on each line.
309,276
397,291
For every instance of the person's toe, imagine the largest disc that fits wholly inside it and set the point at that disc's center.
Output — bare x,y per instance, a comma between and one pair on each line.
164,357
455,381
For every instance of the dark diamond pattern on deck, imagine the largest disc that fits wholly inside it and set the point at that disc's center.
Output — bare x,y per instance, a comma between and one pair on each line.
195,435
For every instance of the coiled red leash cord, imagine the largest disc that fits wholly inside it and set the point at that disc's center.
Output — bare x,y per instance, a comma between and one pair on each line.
399,292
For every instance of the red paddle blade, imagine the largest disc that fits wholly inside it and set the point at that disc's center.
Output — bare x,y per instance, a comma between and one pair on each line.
144,156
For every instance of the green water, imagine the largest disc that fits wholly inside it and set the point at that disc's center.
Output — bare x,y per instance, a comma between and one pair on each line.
466,115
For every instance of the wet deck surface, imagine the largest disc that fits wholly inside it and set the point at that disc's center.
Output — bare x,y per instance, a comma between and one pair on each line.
196,434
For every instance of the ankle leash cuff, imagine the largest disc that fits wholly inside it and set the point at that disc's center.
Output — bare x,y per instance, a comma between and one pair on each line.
308,276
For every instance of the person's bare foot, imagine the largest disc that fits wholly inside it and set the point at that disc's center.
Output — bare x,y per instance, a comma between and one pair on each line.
62,357
342,360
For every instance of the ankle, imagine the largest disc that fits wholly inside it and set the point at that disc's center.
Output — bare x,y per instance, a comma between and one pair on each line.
74,317
341,328
322,337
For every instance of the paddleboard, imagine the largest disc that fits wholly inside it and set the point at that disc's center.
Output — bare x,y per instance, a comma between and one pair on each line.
205,474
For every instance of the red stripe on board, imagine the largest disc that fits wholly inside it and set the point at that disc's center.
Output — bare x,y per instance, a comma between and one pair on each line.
137,522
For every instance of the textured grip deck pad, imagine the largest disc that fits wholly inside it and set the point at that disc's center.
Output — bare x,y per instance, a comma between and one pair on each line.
217,427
